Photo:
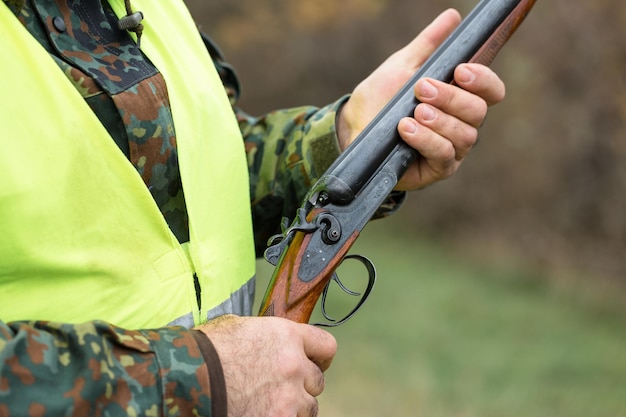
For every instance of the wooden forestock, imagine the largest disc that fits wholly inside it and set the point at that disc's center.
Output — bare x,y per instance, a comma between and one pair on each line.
490,49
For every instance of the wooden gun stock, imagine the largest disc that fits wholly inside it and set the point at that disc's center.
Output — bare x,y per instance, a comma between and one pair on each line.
290,297
347,195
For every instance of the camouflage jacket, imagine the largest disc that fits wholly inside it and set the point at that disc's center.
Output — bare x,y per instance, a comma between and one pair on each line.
97,368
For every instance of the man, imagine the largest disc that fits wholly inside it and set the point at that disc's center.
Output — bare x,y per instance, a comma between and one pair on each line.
125,209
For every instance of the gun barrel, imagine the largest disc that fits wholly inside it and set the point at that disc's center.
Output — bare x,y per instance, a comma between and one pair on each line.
480,35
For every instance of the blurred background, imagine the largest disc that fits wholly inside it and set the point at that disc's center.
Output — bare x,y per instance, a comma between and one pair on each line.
501,290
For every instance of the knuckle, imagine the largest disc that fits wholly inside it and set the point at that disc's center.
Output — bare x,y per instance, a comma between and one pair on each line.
448,168
314,408
470,135
448,151
483,107
291,365
321,381
476,113
327,339
447,159
331,343
315,382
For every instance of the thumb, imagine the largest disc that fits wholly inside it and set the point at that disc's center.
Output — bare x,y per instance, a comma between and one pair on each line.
423,45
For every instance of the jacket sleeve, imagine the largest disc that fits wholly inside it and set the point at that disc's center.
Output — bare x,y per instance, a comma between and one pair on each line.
96,368
287,151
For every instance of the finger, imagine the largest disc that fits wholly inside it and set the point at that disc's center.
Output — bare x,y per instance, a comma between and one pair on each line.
311,409
429,39
314,381
482,81
446,127
437,155
319,345
425,141
453,100
296,403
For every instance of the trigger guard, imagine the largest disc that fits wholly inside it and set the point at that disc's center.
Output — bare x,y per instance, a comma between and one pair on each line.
371,270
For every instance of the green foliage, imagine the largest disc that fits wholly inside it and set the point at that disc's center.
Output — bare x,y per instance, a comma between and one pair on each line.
443,336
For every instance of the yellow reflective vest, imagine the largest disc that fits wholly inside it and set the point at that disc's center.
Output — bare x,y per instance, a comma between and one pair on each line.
80,236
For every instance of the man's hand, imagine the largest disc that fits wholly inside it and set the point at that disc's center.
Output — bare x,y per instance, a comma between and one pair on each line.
445,125
272,366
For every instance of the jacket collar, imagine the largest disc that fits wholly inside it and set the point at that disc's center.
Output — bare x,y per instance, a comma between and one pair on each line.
15,5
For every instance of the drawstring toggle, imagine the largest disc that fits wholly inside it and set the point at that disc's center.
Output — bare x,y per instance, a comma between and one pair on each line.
132,21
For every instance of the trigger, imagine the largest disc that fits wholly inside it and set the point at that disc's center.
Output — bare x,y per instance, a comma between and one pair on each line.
345,289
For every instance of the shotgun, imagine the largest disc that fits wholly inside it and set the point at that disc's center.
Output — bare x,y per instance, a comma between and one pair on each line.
339,205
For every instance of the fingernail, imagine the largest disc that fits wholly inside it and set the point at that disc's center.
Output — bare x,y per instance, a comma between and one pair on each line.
427,90
465,75
428,113
410,125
